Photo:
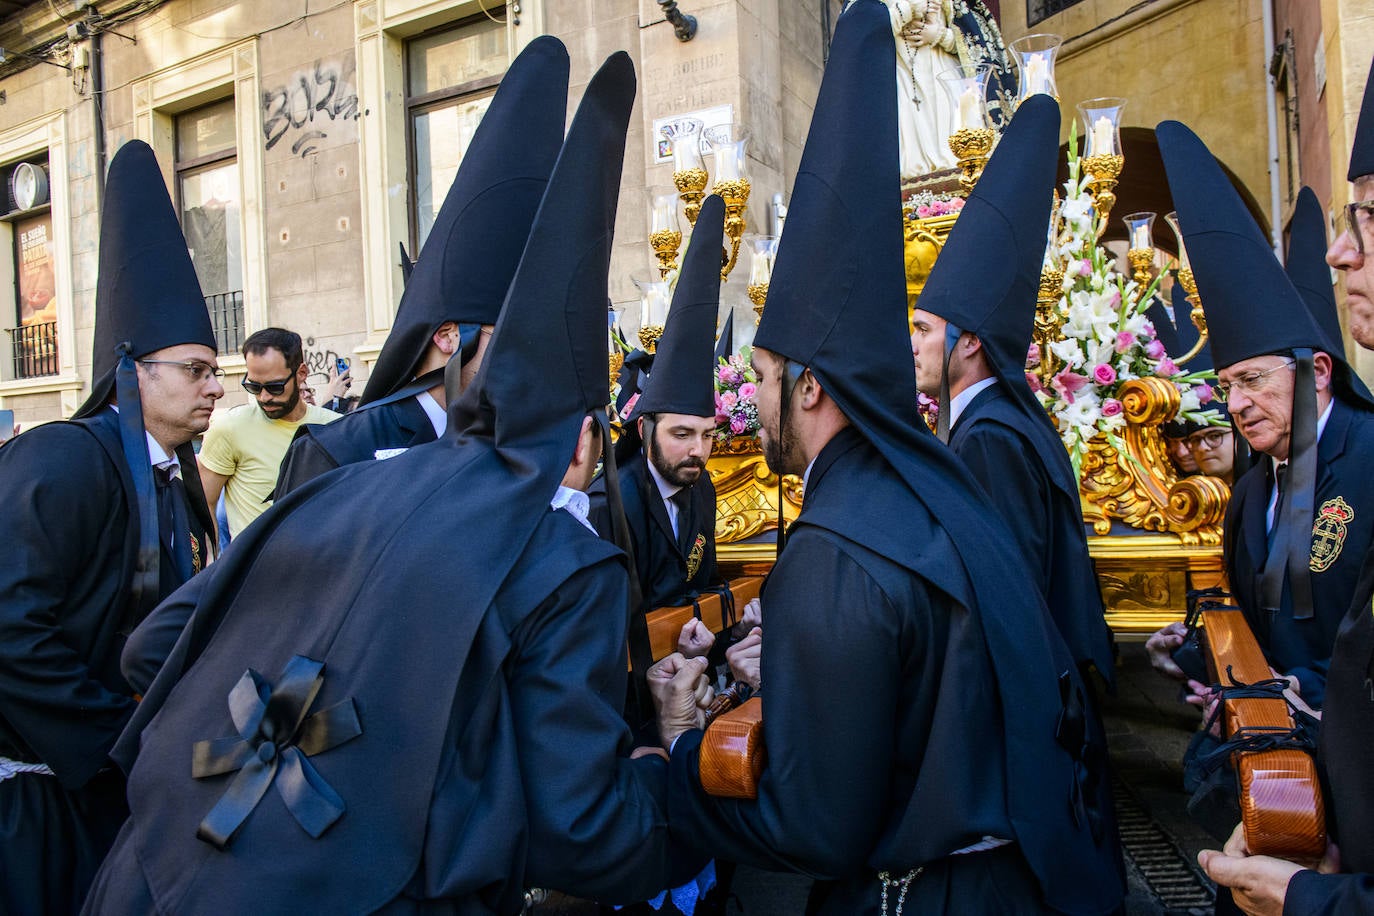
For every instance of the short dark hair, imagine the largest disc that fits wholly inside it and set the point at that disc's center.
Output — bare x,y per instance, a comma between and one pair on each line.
287,343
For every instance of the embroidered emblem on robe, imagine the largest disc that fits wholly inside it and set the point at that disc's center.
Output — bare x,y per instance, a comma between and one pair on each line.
1328,533
694,557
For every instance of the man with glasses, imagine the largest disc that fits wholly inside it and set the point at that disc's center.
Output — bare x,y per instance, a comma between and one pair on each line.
1213,449
244,448
103,517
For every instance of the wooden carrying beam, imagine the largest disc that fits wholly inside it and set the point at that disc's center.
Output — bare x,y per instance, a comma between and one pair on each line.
666,623
1280,797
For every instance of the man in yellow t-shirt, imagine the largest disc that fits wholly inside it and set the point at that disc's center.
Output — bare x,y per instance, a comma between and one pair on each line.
243,449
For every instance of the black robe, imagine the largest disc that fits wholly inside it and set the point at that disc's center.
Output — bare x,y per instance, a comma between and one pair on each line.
489,706
1302,648
1347,759
890,720
995,441
660,561
357,436
65,575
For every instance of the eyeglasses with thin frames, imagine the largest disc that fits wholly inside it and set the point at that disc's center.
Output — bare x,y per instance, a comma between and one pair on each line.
197,370
273,388
1353,220
1251,382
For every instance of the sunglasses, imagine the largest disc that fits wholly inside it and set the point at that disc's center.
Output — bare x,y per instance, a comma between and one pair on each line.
273,388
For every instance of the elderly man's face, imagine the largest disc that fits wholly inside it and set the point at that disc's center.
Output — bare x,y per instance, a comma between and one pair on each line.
1261,402
1345,255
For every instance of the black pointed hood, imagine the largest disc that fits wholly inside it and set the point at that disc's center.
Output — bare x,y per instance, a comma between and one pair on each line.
1179,335
1252,309
545,368
725,343
837,304
467,262
1362,149
1307,269
147,294
987,277
682,380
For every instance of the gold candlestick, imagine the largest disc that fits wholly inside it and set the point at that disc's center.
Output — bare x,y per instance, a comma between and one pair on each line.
1141,260
1105,169
735,192
1185,276
665,243
616,360
758,294
1048,321
971,146
691,184
648,337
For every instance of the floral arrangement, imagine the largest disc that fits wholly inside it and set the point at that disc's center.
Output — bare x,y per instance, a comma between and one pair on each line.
926,204
1106,338
737,411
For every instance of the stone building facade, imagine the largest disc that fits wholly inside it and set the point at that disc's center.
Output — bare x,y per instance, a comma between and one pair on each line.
305,144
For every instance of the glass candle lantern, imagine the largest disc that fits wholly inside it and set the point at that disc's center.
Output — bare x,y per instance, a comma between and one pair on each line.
1035,58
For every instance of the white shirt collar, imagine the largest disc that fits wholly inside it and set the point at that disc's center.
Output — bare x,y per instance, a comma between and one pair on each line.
438,417
959,403
575,503
157,455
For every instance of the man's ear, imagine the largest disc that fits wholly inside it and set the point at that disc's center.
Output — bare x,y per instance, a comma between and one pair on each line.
970,344
446,338
302,373
1321,369
583,452
808,390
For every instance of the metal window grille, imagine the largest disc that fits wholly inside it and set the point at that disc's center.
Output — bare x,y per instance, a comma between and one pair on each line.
34,350
226,317
1038,10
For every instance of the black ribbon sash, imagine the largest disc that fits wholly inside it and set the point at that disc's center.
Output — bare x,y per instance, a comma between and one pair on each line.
275,738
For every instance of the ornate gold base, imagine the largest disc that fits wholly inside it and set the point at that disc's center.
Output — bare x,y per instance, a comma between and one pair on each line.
691,187
747,493
665,243
972,148
1048,320
648,337
1105,170
736,195
1141,260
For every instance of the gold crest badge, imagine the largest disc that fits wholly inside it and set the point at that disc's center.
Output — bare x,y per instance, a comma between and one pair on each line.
1328,533
694,557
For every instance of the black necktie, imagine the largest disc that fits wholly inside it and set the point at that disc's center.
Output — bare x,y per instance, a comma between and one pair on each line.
683,500
1280,478
173,521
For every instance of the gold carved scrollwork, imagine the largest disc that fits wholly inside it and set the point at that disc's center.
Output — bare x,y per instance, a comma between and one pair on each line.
747,491
1137,484
924,240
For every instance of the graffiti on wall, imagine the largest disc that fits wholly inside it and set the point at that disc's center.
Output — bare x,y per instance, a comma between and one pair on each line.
309,105
318,362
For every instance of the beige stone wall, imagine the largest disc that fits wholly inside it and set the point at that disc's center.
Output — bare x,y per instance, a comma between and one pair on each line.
323,198
1197,61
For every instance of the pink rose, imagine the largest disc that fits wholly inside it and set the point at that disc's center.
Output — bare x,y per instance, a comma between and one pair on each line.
724,372
1104,374
747,391
728,400
737,425
1124,341
1150,332
1033,355
1155,349
1066,382
923,211
956,204
1110,407
1204,393
1167,367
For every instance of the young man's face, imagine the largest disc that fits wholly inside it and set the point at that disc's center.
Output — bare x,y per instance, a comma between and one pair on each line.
680,446
178,388
281,390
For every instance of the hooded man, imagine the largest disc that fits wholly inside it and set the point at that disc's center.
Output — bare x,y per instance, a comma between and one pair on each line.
103,517
972,327
670,504
1298,524
441,738
1346,754
913,682
454,292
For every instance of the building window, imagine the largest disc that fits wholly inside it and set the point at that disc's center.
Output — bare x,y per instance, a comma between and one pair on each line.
1039,10
451,76
207,185
25,209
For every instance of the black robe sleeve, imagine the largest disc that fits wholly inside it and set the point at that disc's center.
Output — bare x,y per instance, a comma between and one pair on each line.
152,641
62,587
1313,894
304,460
821,804
998,460
598,820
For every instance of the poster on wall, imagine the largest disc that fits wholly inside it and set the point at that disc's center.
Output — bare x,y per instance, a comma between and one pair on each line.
37,287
